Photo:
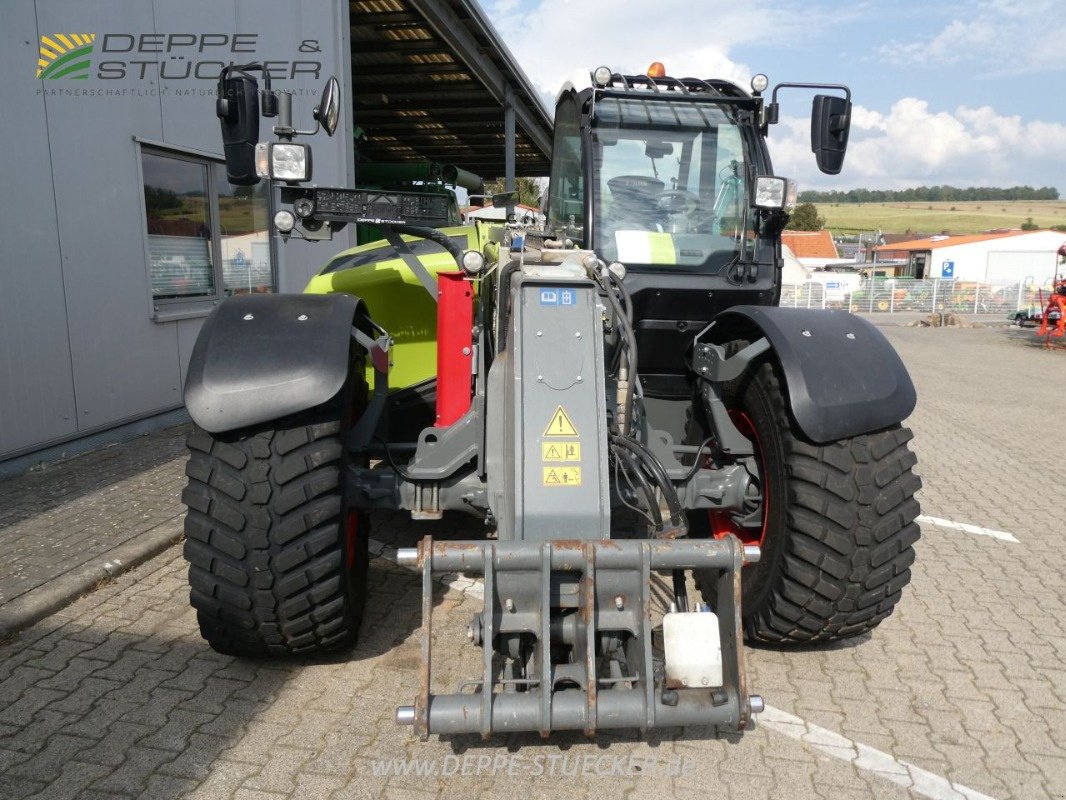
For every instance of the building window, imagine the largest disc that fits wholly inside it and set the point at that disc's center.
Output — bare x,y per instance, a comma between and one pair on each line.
206,239
243,237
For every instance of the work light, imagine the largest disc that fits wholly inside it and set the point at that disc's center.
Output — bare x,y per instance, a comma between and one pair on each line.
283,161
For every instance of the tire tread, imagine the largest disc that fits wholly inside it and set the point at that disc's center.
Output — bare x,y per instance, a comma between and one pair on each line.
265,539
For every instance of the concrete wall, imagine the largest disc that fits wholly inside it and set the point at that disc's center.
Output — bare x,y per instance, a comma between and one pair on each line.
80,350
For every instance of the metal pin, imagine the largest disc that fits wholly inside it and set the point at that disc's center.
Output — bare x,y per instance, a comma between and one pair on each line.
619,603
407,556
752,553
405,715
756,703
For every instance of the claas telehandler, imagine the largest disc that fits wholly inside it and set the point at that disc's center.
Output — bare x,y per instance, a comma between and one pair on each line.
616,395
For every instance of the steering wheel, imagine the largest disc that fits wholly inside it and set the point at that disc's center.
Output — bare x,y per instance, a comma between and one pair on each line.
678,201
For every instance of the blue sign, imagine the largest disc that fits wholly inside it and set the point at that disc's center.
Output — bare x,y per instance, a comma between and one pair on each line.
558,297
947,269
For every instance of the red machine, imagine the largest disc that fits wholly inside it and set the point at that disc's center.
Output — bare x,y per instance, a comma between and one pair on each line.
1054,320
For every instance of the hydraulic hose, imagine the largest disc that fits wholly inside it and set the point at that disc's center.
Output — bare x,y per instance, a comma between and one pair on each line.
631,468
434,235
657,473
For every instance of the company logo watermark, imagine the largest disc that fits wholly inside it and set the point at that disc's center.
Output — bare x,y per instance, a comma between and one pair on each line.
65,55
162,56
559,765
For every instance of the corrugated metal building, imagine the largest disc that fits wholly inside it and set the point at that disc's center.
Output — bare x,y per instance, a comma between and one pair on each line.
121,232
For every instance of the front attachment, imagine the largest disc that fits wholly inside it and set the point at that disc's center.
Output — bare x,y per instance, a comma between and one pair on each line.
567,633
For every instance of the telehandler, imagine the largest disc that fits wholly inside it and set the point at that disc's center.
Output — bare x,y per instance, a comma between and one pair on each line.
616,396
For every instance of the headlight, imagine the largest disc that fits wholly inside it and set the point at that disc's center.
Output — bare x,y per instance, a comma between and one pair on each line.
284,221
262,159
304,207
791,193
769,192
472,262
290,162
759,83
602,76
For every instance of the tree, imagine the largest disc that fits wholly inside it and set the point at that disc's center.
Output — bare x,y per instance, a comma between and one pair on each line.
528,190
805,218
1029,225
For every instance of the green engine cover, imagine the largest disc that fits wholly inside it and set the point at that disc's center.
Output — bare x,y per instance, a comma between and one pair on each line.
396,299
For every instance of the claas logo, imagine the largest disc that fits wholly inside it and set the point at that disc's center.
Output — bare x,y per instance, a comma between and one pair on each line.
65,55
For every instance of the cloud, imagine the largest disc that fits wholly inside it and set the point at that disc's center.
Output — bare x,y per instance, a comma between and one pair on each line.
913,144
550,37
1006,37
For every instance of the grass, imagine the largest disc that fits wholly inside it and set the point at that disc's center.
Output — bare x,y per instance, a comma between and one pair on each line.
954,217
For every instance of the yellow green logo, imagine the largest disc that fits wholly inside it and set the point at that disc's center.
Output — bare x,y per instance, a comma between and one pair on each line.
65,55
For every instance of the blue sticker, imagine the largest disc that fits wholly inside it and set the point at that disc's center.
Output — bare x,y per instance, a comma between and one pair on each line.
549,297
567,297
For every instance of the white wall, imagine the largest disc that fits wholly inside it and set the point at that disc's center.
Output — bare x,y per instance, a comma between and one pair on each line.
1008,260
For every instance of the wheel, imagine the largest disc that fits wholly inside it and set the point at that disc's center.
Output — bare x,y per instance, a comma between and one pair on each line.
836,522
277,558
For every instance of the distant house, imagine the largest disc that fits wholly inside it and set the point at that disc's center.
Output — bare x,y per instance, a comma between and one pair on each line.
490,212
813,249
1000,257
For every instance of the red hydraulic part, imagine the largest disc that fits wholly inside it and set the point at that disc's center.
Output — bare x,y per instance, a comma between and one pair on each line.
722,522
455,350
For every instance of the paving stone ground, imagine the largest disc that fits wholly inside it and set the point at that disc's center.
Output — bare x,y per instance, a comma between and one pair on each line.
62,516
116,696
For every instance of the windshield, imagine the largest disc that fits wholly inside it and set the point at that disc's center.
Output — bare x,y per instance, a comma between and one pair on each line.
670,186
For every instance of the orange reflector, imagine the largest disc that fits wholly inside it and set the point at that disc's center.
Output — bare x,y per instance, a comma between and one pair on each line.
657,70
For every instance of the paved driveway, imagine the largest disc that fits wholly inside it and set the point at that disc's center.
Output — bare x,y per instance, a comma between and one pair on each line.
961,693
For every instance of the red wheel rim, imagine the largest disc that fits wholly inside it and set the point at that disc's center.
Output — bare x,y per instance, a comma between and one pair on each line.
722,522
351,531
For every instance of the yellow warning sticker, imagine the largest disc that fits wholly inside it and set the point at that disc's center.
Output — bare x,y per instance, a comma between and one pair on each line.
562,476
560,451
560,424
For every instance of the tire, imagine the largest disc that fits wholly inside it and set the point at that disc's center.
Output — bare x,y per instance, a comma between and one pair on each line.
839,525
277,559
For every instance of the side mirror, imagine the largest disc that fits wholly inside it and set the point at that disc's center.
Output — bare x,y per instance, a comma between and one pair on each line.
658,149
830,123
505,199
238,109
328,111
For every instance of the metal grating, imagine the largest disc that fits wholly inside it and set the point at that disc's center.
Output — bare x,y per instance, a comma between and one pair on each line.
429,78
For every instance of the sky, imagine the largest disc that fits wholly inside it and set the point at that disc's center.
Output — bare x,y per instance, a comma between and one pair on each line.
966,94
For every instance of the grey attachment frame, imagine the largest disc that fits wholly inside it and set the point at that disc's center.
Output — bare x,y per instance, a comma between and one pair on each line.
571,592
709,362
362,432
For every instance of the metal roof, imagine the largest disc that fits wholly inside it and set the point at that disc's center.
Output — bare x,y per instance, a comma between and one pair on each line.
429,81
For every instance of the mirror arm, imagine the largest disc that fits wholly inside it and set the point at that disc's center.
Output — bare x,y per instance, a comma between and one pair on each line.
284,129
268,102
839,86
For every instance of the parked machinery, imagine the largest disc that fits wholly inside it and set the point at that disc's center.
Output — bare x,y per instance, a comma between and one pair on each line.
614,396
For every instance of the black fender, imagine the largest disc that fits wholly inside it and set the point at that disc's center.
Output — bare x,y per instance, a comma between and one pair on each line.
842,376
260,357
